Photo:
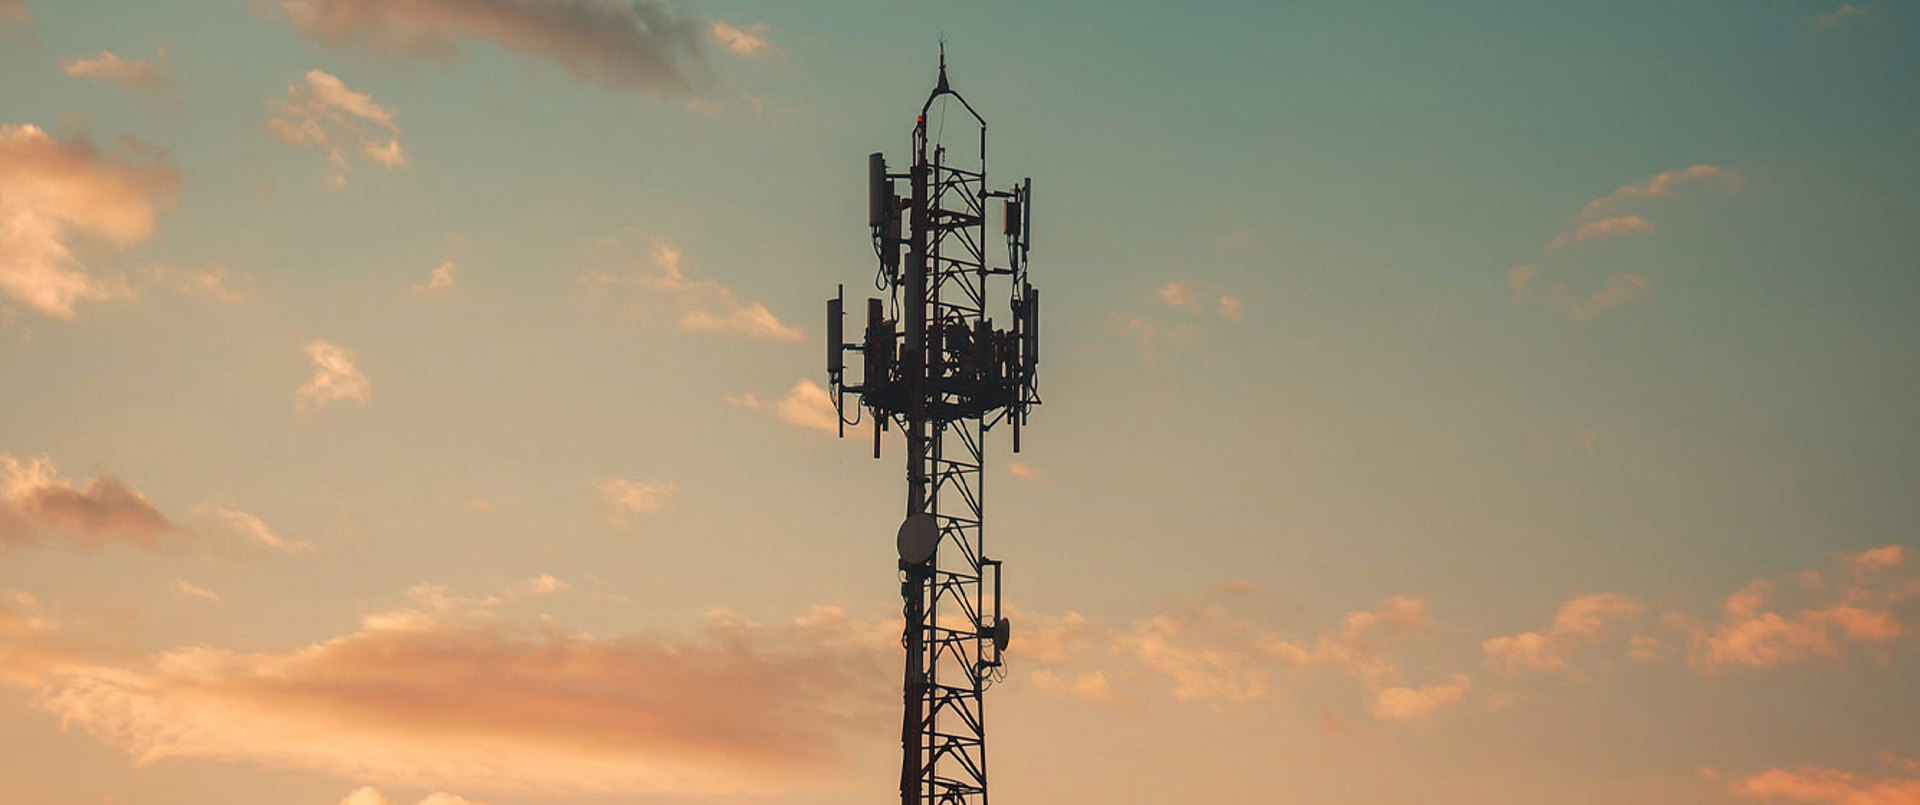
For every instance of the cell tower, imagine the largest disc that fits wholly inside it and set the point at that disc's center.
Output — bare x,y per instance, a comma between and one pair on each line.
937,368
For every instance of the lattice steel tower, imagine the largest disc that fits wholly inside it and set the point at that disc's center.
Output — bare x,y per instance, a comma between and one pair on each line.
935,366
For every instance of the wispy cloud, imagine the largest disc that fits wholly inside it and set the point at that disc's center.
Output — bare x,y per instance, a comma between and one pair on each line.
749,42
204,283
805,405
140,75
625,499
665,291
1661,185
251,531
322,112
1846,14
187,589
35,501
1207,653
1195,303
1619,289
443,695
1231,308
1542,282
439,279
640,45
334,378
1579,622
1816,784
53,192
368,795
1869,602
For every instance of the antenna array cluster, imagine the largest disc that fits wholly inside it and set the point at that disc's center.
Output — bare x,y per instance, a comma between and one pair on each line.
935,365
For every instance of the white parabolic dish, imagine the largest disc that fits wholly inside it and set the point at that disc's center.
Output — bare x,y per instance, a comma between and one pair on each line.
918,535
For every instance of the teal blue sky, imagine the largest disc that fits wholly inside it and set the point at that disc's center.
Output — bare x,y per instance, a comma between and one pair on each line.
1390,414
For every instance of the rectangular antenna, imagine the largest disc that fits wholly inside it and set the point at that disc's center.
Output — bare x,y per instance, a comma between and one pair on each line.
879,191
1032,331
836,345
1026,213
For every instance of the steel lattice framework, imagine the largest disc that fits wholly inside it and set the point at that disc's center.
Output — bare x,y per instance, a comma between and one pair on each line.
936,366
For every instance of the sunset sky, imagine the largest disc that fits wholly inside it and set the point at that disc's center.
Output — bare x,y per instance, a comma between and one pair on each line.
420,402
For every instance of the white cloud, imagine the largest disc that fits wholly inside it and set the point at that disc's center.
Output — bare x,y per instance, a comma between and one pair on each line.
749,42
134,74
694,306
334,377
624,498
807,405
250,528
188,589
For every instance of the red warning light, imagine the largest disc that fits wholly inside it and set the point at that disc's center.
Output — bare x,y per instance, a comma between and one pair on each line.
921,119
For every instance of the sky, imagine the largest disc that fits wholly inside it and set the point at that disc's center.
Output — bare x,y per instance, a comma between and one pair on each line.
421,402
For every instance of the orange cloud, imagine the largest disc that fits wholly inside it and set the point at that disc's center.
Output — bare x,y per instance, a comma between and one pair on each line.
633,45
1661,185
1823,785
1618,290
1578,622
368,795
442,697
1180,293
1208,654
1091,686
52,191
36,500
1752,633
1619,226
1395,703
325,114
1598,220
